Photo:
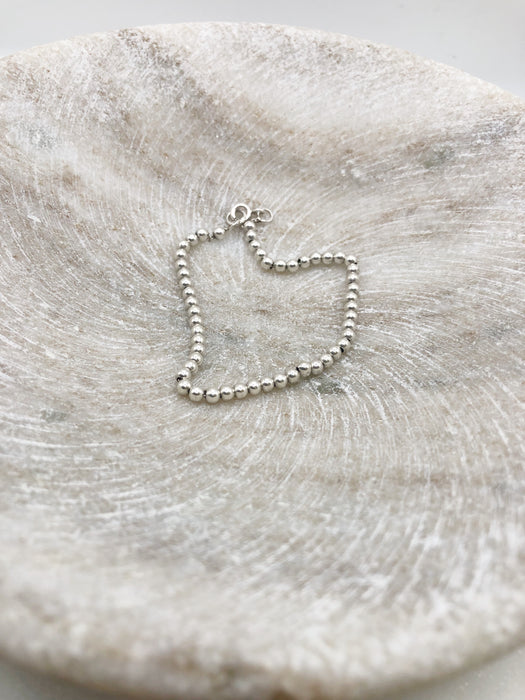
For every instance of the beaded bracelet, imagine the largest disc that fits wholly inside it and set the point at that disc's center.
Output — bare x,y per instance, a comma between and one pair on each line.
246,219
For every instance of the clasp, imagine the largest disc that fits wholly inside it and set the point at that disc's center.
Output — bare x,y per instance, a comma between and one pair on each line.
240,213
264,216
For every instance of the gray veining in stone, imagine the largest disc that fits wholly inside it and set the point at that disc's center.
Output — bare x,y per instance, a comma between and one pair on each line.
356,533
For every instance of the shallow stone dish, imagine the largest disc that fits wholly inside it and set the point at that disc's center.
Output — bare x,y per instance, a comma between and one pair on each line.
353,534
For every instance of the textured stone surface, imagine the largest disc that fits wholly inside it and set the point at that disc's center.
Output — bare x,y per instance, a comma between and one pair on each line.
356,533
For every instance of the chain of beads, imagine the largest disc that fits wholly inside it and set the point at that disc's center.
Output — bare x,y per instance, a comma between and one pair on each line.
243,217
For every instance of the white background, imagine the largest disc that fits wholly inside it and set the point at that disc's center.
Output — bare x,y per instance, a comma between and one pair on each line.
483,37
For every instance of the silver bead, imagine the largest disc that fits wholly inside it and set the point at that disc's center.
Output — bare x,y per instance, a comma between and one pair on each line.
349,323
348,333
304,369
352,267
267,384
227,393
344,344
188,292
181,264
181,253
240,391
190,301
336,352
351,313
317,367
292,265
197,347
267,263
202,234
327,360
328,258
183,272
194,310
195,317
198,338
280,381
280,265
197,329
184,245
254,244
339,258
260,254
293,376
350,259
250,236
185,282
351,296
353,287
248,225
219,232
352,304
315,258
212,395
254,387
183,387
196,393
193,239
183,374
191,365
196,357
304,261
351,277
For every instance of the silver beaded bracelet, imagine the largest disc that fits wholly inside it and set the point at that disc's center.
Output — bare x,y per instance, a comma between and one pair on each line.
242,216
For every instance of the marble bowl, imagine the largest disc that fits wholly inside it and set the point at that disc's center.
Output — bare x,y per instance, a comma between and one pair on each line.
351,535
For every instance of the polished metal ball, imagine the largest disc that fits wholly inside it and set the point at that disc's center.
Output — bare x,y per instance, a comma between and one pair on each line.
240,391
227,393
344,344
304,369
327,360
254,387
212,395
196,357
267,384
293,376
183,387
196,394
317,367
280,381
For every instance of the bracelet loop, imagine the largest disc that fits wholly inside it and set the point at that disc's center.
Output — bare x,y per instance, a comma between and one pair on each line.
233,219
263,216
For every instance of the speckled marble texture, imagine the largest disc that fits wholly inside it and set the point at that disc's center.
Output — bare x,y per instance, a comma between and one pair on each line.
344,538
